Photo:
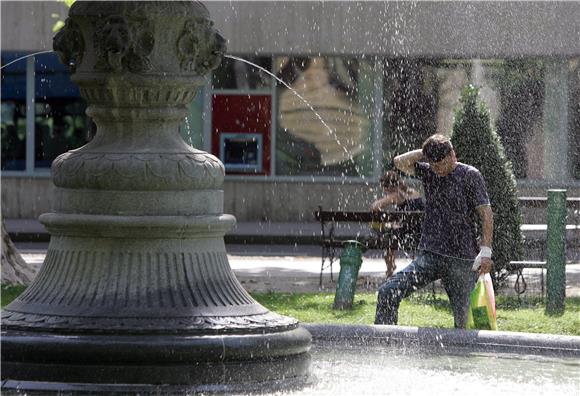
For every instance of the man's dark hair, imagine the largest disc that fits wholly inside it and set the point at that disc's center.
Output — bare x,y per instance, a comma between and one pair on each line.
436,147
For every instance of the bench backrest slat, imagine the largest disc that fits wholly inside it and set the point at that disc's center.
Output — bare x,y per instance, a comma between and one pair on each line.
542,202
365,217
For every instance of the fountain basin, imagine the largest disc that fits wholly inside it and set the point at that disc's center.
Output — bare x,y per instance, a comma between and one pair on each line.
442,340
397,360
344,358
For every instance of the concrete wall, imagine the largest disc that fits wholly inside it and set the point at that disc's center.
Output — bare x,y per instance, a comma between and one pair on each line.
26,197
27,25
292,201
248,200
482,29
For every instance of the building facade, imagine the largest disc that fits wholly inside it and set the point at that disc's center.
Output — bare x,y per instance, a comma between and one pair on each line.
315,98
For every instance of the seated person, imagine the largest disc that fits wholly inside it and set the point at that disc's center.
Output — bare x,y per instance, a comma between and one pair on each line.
398,197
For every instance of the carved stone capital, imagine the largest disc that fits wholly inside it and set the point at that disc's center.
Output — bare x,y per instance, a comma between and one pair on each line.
69,45
200,47
145,37
159,99
196,170
123,44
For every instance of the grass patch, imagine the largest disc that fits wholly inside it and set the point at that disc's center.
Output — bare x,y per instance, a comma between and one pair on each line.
9,293
421,310
424,310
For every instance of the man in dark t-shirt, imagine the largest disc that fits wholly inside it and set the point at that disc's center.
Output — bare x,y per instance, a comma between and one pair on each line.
455,194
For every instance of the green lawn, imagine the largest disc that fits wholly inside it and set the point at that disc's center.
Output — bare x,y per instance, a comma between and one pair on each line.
9,293
424,310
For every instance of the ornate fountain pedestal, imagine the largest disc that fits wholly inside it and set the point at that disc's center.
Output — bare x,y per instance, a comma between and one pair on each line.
136,293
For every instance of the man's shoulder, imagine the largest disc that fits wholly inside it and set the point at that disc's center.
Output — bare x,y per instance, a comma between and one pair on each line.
467,169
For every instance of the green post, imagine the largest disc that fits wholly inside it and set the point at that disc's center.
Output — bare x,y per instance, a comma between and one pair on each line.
556,258
350,262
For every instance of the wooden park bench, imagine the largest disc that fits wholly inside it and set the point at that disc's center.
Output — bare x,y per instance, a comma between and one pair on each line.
531,231
401,229
409,223
572,203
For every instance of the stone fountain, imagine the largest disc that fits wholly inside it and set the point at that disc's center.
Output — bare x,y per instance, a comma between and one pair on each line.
136,292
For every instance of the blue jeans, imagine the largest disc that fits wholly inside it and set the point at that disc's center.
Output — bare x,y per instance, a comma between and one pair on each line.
456,274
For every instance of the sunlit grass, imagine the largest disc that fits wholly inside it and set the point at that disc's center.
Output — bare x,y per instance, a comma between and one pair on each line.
9,293
422,310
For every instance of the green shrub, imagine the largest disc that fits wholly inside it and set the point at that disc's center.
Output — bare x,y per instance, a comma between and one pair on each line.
478,145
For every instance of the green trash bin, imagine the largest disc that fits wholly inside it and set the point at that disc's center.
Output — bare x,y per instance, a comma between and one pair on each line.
350,262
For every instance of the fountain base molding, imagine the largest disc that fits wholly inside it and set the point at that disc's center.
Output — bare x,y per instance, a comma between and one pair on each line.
133,364
136,304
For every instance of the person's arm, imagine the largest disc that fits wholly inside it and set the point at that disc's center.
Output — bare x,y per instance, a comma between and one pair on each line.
406,162
486,215
382,202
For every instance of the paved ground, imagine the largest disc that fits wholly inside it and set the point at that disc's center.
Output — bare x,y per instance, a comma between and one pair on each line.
296,268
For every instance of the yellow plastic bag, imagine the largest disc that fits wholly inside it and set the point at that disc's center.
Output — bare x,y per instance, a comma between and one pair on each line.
482,313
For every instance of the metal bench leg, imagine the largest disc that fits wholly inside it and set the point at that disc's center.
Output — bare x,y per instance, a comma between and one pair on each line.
327,253
520,285
332,258
324,255
331,278
542,282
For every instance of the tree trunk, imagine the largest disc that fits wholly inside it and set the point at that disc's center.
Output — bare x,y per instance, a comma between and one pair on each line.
14,268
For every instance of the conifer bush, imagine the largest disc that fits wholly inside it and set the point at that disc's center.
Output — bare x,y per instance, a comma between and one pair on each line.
477,144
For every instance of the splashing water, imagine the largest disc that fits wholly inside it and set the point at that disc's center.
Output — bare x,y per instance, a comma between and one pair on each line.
188,131
380,370
331,133
24,57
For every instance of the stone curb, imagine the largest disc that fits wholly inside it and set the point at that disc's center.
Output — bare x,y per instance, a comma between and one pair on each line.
448,339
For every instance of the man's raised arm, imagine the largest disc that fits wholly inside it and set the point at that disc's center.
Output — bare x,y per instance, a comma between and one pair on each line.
406,162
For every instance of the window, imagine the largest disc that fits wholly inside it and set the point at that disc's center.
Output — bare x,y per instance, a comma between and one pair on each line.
13,121
574,114
236,74
59,123
242,115
418,98
324,118
422,95
191,129
520,87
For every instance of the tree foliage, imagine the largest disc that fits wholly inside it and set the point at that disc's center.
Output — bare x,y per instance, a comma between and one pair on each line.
59,24
478,145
